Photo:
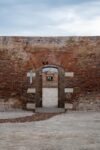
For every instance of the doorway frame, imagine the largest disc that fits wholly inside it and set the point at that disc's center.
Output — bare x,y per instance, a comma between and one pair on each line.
49,86
61,93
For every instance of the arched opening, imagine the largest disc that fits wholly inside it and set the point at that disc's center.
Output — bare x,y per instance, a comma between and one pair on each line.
50,87
59,85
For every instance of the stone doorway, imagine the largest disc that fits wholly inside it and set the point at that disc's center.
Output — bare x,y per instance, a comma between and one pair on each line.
50,87
39,84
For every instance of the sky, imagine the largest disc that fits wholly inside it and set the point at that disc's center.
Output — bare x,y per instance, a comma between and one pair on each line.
50,69
49,17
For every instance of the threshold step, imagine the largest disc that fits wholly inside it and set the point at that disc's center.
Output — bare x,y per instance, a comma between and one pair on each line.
49,110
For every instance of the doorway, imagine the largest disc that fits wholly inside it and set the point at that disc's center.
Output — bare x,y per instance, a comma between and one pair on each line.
50,87
41,98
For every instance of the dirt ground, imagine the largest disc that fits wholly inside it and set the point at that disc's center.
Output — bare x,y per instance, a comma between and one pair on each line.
69,131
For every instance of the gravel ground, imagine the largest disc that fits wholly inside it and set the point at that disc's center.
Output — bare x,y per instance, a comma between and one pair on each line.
69,131
34,117
8,115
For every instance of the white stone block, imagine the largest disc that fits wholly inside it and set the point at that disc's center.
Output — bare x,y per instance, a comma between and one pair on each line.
69,74
68,106
33,74
31,90
30,106
69,90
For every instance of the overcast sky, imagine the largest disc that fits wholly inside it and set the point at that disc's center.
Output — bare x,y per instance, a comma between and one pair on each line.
49,17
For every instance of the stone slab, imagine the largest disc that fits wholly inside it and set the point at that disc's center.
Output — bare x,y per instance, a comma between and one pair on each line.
30,106
49,110
69,74
31,90
69,90
33,74
68,106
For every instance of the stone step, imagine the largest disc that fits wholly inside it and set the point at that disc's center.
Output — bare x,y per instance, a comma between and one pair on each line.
49,110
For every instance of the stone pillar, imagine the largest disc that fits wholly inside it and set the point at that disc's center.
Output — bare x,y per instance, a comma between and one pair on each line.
61,94
38,98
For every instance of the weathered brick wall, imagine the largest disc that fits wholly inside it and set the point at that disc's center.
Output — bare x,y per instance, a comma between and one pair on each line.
20,54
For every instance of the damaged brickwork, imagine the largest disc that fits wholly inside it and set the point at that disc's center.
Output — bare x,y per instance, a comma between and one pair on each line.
81,55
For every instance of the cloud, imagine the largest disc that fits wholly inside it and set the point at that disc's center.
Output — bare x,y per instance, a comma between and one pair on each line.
76,20
49,18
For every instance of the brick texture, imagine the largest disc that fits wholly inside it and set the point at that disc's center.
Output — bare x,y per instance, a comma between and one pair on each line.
80,55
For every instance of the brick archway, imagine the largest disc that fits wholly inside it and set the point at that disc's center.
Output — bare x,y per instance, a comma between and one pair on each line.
61,94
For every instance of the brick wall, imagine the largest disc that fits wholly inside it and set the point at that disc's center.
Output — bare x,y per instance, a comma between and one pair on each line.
18,55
